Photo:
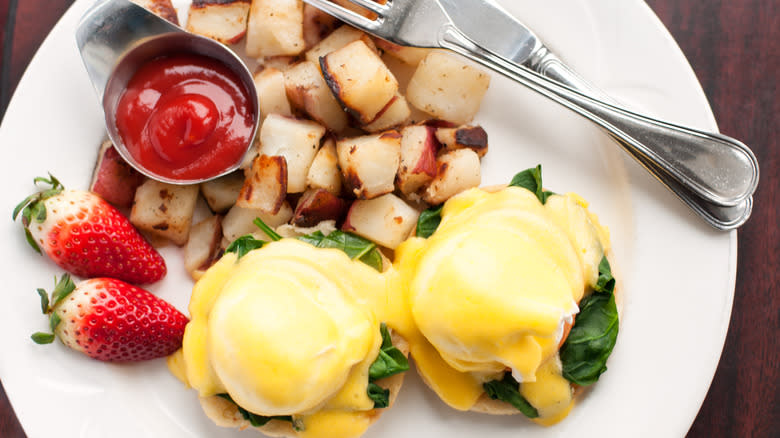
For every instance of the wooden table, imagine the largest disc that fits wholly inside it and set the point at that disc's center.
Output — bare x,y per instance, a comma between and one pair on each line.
734,47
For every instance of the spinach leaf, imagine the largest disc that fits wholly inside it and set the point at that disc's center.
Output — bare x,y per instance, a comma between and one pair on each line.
429,221
257,420
390,360
244,244
379,395
531,179
585,352
606,282
356,247
508,390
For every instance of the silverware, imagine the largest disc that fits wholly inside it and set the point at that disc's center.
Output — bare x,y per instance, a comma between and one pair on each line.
115,37
713,174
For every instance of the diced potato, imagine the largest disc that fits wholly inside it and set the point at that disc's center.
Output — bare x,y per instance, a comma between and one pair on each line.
221,193
418,158
203,245
164,209
317,25
222,20
336,40
275,27
396,113
161,8
447,87
408,55
113,178
271,93
456,171
369,163
240,221
386,220
307,90
265,186
324,172
317,205
472,137
359,79
281,62
295,140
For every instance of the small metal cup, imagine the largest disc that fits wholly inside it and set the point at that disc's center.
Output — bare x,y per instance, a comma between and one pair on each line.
116,37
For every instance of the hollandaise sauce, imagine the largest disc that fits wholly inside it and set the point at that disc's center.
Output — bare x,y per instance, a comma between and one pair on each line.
491,291
292,330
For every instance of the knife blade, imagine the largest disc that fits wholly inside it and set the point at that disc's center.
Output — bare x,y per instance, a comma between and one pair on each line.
491,27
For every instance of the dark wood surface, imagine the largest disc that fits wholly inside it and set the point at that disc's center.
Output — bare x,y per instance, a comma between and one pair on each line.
734,47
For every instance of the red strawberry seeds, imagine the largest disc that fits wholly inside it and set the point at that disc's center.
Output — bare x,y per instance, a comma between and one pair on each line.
111,320
87,236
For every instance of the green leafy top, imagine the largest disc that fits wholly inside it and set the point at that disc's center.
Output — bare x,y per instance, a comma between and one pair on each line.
531,179
356,247
585,352
260,420
33,208
429,221
390,361
243,245
508,390
62,288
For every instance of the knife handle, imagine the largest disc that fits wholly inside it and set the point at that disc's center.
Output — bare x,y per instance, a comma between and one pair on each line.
546,63
704,169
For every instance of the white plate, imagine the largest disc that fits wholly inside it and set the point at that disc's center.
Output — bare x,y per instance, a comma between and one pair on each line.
678,275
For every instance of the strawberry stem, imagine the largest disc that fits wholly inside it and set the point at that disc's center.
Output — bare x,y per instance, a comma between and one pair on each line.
62,288
42,338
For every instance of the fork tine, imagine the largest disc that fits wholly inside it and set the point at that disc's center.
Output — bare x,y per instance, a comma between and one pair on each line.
371,5
344,14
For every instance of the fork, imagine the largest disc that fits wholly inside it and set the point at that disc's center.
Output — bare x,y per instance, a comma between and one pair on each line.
720,190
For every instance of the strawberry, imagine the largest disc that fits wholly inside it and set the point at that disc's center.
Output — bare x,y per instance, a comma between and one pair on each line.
111,320
86,236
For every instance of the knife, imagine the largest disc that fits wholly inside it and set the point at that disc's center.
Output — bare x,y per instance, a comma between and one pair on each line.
510,39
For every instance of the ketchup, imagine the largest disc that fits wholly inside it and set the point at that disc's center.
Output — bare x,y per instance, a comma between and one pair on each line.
185,117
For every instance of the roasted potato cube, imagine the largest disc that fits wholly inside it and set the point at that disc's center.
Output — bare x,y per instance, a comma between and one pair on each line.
221,20
447,87
240,221
418,158
295,140
113,178
394,114
386,220
317,25
281,63
307,90
324,172
456,171
161,8
221,193
317,205
336,40
408,55
275,27
369,163
271,93
203,245
164,210
359,79
472,137
265,186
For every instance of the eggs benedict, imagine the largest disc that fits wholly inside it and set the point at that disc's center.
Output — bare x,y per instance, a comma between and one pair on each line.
494,292
290,339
